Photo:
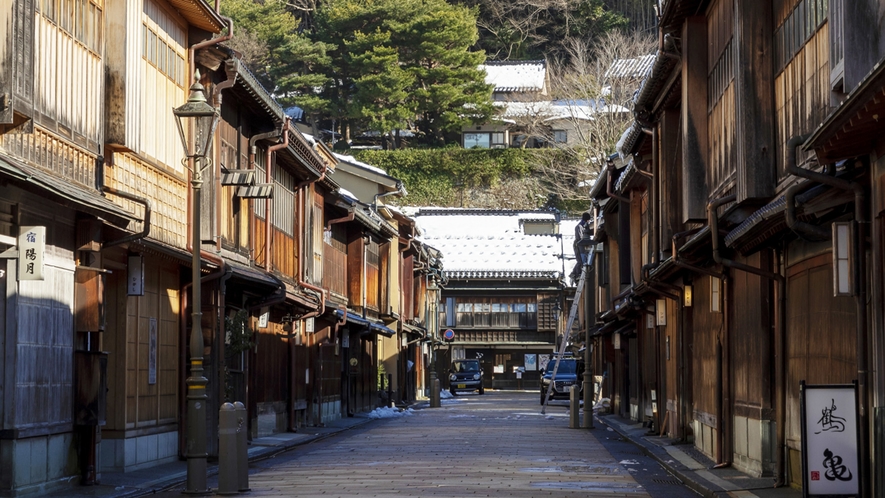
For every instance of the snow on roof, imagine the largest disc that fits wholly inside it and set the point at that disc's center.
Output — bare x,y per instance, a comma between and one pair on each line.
352,160
516,76
555,110
347,193
492,244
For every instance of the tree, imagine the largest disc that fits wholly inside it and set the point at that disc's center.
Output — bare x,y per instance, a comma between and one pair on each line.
539,29
599,80
284,60
395,61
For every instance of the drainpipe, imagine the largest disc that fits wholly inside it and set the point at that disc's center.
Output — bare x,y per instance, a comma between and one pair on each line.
861,279
231,78
146,224
400,190
713,220
268,203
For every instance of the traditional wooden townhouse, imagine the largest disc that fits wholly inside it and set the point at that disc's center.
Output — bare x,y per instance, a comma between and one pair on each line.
741,237
505,296
95,185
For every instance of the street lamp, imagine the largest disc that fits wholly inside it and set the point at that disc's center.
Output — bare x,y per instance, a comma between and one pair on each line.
196,119
557,310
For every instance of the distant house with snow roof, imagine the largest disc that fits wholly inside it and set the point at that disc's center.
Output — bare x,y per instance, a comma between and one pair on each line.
528,116
504,273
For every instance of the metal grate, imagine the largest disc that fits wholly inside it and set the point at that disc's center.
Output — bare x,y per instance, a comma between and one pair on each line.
667,481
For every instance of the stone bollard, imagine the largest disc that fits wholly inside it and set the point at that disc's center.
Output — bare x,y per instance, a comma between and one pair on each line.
434,394
242,448
574,407
227,450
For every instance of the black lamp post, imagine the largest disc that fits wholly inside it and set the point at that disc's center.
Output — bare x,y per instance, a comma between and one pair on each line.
557,310
196,121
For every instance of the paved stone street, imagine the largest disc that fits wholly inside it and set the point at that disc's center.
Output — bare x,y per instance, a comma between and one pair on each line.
497,444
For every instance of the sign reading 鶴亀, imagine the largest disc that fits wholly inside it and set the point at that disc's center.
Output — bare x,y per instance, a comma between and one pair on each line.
830,463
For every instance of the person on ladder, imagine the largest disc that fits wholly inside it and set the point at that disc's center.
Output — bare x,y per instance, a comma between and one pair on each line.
580,245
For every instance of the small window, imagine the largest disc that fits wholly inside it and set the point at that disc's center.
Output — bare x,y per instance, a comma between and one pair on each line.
560,136
476,140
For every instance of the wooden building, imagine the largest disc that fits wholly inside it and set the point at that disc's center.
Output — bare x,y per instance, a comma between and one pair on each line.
718,286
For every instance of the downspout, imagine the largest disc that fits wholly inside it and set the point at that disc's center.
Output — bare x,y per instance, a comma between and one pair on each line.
713,221
146,224
860,278
399,190
268,203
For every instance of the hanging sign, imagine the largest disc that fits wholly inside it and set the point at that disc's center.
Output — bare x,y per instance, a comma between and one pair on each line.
830,462
32,248
135,275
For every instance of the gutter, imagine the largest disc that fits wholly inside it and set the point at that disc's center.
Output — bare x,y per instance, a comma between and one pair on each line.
861,279
713,221
146,226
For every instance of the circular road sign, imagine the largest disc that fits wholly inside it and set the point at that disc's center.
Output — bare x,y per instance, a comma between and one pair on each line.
449,334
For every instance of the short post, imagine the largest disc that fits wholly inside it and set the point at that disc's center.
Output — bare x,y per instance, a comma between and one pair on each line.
390,390
227,450
574,407
434,391
242,448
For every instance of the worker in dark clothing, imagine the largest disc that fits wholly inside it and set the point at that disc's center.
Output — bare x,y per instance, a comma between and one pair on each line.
580,248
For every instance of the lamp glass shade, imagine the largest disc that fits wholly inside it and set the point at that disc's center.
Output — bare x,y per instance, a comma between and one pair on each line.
198,115
686,295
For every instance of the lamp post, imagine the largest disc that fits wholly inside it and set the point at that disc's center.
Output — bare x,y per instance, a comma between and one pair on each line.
557,310
196,121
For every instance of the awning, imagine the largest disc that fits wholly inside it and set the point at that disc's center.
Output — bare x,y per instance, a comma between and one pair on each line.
253,275
64,192
370,326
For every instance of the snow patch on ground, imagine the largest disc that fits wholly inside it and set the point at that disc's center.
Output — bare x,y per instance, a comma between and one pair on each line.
387,412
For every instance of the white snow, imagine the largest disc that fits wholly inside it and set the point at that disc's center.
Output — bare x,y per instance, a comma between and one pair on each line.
387,412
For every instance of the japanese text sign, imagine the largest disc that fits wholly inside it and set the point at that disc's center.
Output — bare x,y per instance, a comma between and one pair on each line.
829,440
31,250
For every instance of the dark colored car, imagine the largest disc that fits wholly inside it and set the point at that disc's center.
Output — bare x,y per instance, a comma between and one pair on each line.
465,375
567,375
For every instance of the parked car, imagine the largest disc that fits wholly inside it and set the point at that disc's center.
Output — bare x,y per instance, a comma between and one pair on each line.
567,375
465,375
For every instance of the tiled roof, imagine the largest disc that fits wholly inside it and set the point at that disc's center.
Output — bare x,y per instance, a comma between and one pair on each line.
490,244
638,68
516,76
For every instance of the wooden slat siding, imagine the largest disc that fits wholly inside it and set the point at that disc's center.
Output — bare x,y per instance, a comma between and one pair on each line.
695,148
408,288
752,347
648,350
269,365
164,87
387,285
753,44
707,326
802,93
671,196
720,94
60,156
373,276
42,380
668,400
259,248
634,377
169,195
228,140
316,235
152,405
70,79
283,254
298,385
335,261
821,344
355,272
330,374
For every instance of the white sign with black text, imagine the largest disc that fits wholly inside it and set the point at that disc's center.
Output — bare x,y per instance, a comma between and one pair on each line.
829,440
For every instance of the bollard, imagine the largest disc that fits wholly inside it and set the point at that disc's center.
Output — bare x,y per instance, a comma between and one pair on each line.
242,448
227,450
574,407
434,393
588,405
390,391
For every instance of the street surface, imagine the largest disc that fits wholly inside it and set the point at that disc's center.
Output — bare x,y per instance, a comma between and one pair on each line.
497,445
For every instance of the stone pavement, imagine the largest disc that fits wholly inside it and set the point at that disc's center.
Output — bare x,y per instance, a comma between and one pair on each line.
692,467
152,480
683,461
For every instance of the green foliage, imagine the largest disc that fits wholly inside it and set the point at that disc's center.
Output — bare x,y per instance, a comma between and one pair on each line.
394,61
284,61
435,177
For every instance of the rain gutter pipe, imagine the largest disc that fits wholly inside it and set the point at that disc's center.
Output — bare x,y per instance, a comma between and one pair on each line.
713,221
146,224
860,279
